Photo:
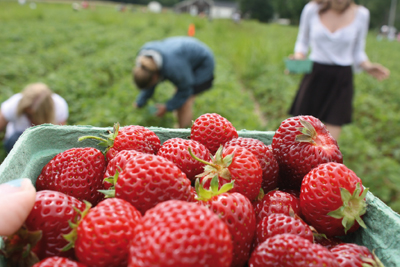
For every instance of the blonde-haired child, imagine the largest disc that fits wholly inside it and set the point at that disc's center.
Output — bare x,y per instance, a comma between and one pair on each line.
35,105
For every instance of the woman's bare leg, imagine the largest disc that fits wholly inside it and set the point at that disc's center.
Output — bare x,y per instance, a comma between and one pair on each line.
334,130
185,113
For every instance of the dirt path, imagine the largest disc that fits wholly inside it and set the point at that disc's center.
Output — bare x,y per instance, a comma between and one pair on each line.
257,109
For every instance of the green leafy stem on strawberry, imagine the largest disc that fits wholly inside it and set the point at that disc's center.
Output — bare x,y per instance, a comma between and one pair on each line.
354,206
110,192
19,243
218,165
204,194
72,236
108,141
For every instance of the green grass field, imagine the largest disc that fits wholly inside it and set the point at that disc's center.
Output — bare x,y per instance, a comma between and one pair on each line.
87,57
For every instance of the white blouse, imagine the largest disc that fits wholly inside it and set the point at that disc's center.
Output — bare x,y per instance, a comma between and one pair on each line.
344,47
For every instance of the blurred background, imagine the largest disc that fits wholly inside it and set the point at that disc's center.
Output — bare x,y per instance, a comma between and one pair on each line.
85,51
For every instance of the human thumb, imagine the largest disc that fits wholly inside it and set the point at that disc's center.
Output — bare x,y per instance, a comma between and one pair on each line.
17,198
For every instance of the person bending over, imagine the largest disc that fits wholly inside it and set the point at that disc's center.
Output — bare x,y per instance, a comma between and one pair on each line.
184,61
35,105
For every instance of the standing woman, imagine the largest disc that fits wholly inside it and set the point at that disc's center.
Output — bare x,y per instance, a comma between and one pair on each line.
336,31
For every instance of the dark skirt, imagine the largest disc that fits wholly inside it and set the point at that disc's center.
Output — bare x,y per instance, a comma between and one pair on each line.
327,94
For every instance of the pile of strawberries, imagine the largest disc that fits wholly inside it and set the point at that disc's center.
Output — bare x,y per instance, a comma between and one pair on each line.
214,199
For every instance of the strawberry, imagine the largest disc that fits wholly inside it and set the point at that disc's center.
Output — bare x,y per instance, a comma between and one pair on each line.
176,150
300,144
179,233
279,223
268,163
151,138
236,211
288,250
237,164
332,199
77,172
51,214
276,201
131,137
58,262
117,164
102,236
212,130
149,179
353,255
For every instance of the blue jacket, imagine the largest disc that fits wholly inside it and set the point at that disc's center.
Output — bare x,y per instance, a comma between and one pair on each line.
186,62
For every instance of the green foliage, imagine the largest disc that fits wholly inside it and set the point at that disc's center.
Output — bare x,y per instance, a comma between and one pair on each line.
87,57
258,9
289,9
379,12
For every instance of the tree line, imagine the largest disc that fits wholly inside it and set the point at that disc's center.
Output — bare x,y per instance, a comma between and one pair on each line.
266,10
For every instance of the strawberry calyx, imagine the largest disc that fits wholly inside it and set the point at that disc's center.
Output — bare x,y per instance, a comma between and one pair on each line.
73,235
354,206
110,192
218,165
308,133
260,195
375,262
107,141
17,250
204,194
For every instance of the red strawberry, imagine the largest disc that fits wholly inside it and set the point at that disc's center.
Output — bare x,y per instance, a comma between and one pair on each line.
235,164
77,172
103,235
151,138
131,137
279,223
236,211
176,150
212,130
276,201
179,233
149,179
332,199
50,214
288,250
353,255
300,144
58,262
117,164
263,153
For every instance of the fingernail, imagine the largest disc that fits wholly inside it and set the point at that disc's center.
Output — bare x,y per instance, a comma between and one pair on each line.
14,186
15,183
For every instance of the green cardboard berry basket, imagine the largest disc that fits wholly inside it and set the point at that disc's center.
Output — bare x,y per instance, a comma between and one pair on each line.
39,144
298,66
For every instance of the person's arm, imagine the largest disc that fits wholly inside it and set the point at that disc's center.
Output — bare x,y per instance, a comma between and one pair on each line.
143,96
303,37
360,57
376,70
184,91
